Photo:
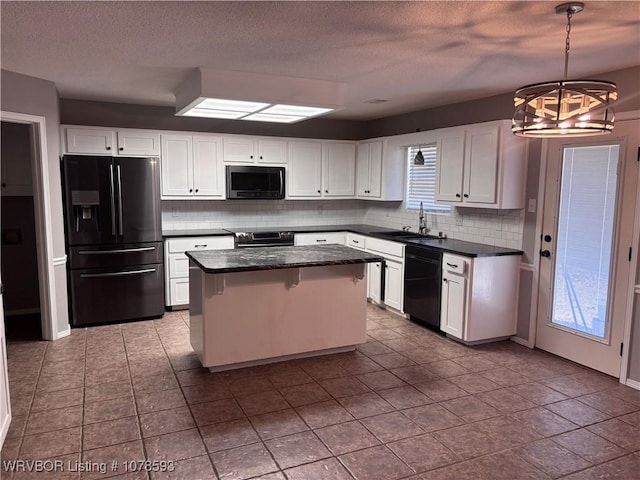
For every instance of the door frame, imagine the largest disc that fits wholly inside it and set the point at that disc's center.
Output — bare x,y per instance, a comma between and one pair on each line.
44,228
533,319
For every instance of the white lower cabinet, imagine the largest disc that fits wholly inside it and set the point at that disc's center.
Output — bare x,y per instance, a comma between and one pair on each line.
177,264
393,283
479,297
5,403
320,238
374,287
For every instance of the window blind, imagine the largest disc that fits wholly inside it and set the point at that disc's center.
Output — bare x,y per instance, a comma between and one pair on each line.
421,179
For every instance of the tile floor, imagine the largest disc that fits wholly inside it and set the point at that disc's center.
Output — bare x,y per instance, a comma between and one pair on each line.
408,404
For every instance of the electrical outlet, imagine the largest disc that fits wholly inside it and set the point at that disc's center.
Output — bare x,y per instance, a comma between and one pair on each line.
174,212
532,205
459,221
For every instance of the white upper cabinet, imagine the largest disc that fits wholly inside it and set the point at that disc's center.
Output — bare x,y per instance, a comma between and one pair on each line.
104,141
338,169
379,171
481,166
86,141
138,143
450,166
254,150
369,169
304,175
321,170
192,167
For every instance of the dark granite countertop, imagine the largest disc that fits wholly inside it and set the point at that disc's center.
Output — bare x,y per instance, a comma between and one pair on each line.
270,258
460,247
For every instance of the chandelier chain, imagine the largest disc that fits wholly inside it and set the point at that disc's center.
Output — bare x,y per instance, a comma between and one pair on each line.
567,45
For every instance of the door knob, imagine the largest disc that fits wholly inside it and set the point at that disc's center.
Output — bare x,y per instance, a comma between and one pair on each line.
545,253
547,238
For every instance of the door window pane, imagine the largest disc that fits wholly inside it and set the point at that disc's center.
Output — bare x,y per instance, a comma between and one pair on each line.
585,238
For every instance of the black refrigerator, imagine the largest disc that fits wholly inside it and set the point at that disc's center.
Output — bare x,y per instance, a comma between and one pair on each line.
114,238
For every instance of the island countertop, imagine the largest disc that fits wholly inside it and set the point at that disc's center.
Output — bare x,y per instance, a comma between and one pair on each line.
273,258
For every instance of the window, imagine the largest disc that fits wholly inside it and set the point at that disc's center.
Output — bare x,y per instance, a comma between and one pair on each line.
421,180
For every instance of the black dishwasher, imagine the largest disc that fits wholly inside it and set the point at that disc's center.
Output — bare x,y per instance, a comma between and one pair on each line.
423,285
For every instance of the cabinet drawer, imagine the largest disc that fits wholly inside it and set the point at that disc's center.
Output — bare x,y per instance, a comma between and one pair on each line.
393,249
355,241
319,238
454,264
181,245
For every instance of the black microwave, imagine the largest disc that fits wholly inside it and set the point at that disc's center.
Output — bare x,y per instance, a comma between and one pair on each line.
251,182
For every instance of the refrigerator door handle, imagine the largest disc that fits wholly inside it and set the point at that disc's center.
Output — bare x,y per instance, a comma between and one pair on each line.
117,274
121,250
120,229
113,201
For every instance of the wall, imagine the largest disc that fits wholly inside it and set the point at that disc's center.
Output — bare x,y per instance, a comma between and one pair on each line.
81,112
29,95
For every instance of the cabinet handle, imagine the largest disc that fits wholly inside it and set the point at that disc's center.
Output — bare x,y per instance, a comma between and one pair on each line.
320,240
457,195
202,245
444,280
251,156
466,195
326,191
197,190
191,190
545,253
355,241
121,148
260,157
452,265
319,191
108,148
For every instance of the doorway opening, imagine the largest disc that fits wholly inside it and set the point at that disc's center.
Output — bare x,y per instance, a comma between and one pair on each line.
19,256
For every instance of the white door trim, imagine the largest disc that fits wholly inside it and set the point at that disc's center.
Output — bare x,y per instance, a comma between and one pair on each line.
42,207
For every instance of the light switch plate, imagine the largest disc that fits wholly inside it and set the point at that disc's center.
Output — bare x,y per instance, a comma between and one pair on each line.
532,205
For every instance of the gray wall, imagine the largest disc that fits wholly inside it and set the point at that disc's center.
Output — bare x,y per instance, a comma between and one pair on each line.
80,112
29,95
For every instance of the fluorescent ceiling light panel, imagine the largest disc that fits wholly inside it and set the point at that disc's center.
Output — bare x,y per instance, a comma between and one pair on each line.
267,117
299,110
270,98
231,105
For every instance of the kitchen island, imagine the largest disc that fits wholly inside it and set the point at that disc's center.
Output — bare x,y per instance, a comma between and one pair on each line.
261,305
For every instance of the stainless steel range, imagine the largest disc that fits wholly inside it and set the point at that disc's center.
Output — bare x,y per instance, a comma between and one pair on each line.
262,238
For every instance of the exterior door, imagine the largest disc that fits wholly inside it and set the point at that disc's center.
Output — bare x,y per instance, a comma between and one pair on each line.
587,232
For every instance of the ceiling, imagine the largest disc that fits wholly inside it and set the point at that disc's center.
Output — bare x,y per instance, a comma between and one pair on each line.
415,55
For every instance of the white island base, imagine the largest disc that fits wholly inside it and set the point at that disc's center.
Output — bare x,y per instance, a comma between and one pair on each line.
249,318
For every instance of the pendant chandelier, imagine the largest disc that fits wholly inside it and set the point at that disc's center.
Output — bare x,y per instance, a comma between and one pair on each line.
571,108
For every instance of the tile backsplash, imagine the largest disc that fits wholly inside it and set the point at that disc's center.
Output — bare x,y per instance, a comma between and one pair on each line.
492,227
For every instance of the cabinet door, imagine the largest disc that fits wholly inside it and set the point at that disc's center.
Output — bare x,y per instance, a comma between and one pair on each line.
177,165
449,167
453,303
393,284
338,169
15,159
178,266
374,287
375,170
272,151
304,176
90,141
481,165
179,291
208,170
238,150
138,143
362,169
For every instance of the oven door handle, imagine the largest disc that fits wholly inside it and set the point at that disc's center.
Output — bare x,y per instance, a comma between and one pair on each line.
117,274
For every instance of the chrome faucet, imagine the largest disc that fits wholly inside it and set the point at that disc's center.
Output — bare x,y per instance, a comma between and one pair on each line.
422,225
406,228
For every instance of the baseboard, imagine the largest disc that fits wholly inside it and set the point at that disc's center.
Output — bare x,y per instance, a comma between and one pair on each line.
519,341
632,383
62,334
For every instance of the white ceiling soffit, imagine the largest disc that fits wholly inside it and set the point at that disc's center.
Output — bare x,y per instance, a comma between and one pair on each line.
415,55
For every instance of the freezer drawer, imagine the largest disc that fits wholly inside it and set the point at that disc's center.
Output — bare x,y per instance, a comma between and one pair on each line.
116,294
105,256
